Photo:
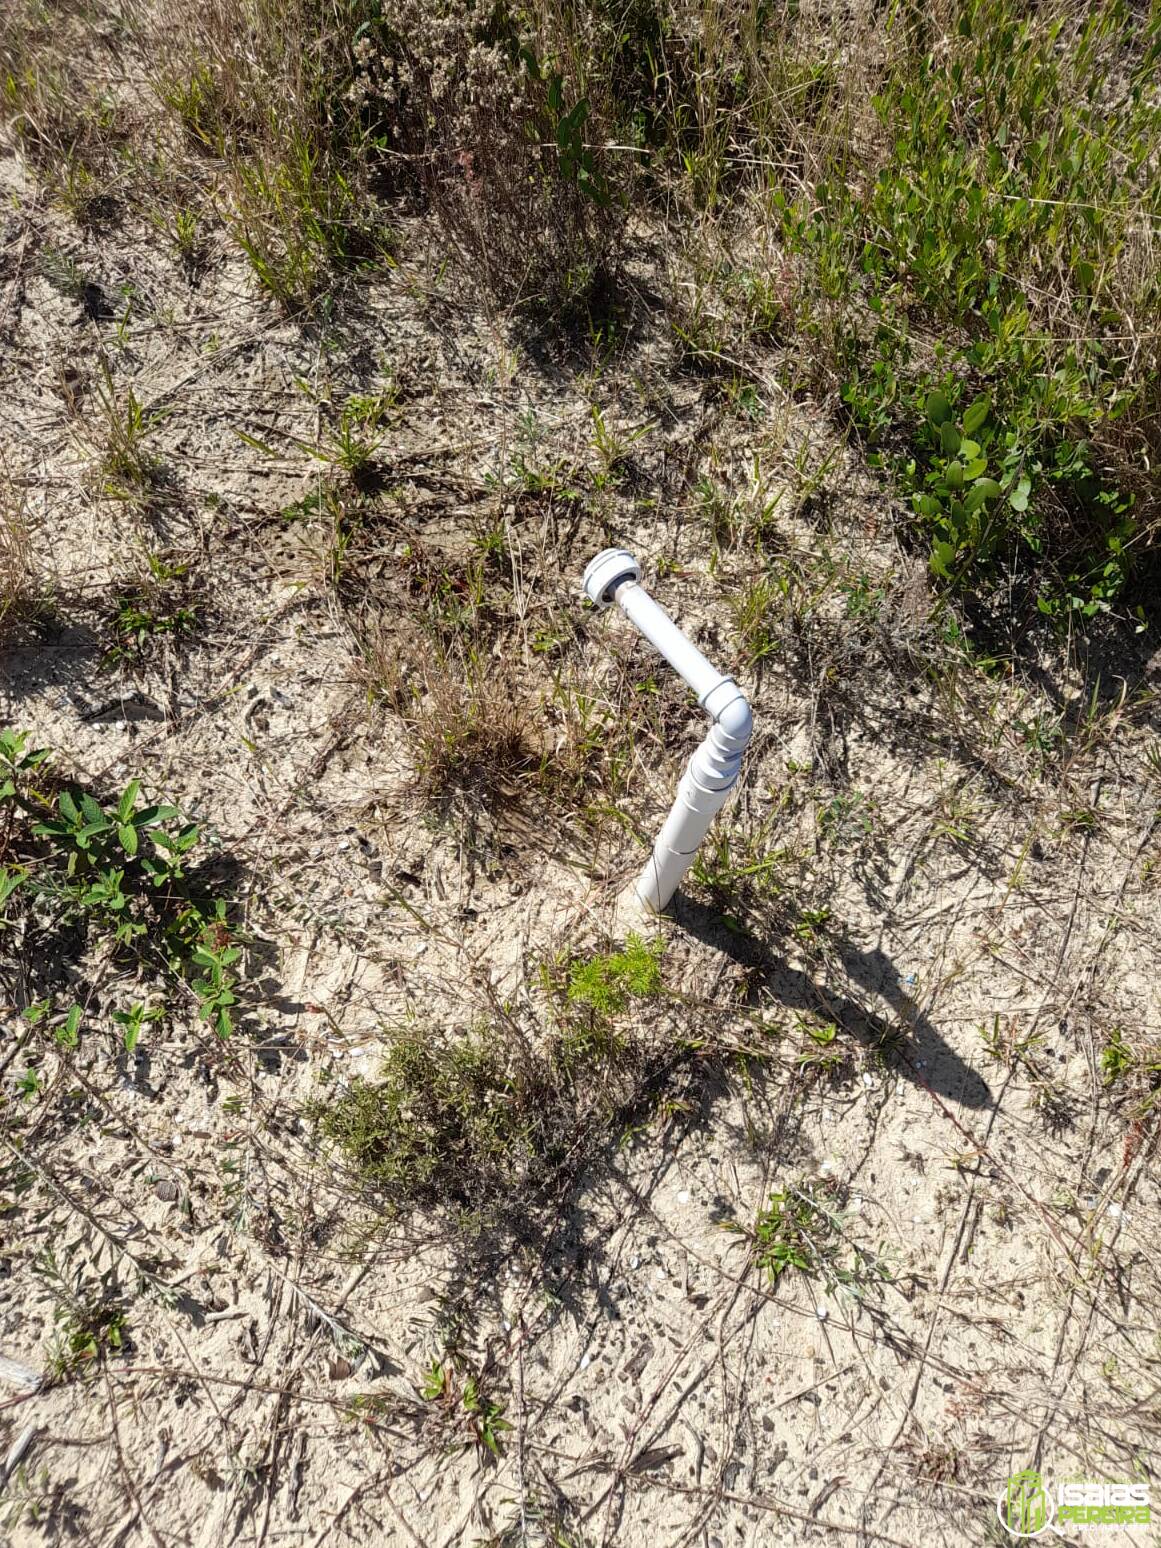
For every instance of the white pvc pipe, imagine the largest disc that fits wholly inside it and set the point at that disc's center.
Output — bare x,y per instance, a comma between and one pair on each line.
615,576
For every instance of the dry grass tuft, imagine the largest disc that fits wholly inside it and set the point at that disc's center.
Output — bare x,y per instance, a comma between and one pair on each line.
20,589
471,733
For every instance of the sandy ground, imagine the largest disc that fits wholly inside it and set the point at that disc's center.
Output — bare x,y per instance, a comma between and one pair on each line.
992,903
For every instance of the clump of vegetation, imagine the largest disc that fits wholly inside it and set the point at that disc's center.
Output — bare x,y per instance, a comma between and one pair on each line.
801,1228
89,1315
465,1410
19,593
67,127
606,983
506,138
1132,1070
962,227
127,465
481,1116
116,871
1005,210
447,1118
470,733
158,606
478,112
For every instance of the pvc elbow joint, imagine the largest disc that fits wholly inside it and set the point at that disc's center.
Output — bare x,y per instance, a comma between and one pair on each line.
615,576
737,720
730,711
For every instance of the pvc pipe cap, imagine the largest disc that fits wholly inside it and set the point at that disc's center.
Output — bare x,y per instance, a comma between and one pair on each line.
610,569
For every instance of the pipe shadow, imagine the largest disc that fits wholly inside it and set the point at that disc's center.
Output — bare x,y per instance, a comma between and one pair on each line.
921,1054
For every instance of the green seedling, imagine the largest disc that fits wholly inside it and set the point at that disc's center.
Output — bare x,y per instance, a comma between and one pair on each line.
133,1021
959,491
215,985
605,984
17,761
485,1417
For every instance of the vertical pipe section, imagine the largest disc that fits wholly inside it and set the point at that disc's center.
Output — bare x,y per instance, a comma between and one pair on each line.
615,576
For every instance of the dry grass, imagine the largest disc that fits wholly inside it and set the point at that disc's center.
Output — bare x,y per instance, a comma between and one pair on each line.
20,588
471,733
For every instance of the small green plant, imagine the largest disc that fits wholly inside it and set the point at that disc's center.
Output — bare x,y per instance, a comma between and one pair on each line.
436,1382
606,984
17,762
64,274
215,956
612,447
577,162
298,215
810,923
718,509
801,1228
1116,1058
135,625
847,818
127,464
151,608
66,1032
476,1417
1123,1063
116,869
863,599
30,1084
757,609
86,1339
958,489
193,94
485,1417
794,1231
88,1314
823,1058
742,866
133,1021
182,228
356,435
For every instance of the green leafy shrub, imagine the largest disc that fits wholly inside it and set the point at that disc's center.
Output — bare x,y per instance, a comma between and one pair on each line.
478,1117
443,1118
1014,182
800,1228
117,870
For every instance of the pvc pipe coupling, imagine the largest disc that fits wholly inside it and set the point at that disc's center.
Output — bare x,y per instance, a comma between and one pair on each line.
712,772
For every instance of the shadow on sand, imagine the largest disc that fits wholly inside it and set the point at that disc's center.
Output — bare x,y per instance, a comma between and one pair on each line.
923,1055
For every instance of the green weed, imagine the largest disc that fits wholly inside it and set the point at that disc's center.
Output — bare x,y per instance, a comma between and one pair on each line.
127,466
445,1120
89,1315
477,1117
606,983
1010,186
146,610
117,870
801,1229
470,1411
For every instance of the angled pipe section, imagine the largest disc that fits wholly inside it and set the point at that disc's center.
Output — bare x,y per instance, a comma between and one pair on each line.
712,772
